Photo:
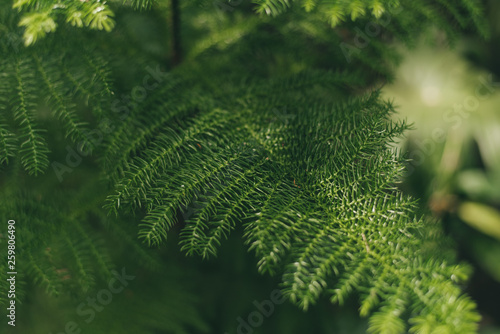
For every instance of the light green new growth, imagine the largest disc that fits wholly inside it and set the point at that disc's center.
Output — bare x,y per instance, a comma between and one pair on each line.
441,13
40,16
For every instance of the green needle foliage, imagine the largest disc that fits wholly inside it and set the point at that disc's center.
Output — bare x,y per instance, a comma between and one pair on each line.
446,14
40,16
312,187
268,127
48,74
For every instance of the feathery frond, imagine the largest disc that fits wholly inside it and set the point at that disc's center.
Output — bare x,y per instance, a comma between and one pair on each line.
313,189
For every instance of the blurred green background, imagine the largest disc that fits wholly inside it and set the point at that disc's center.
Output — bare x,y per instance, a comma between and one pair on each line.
452,97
